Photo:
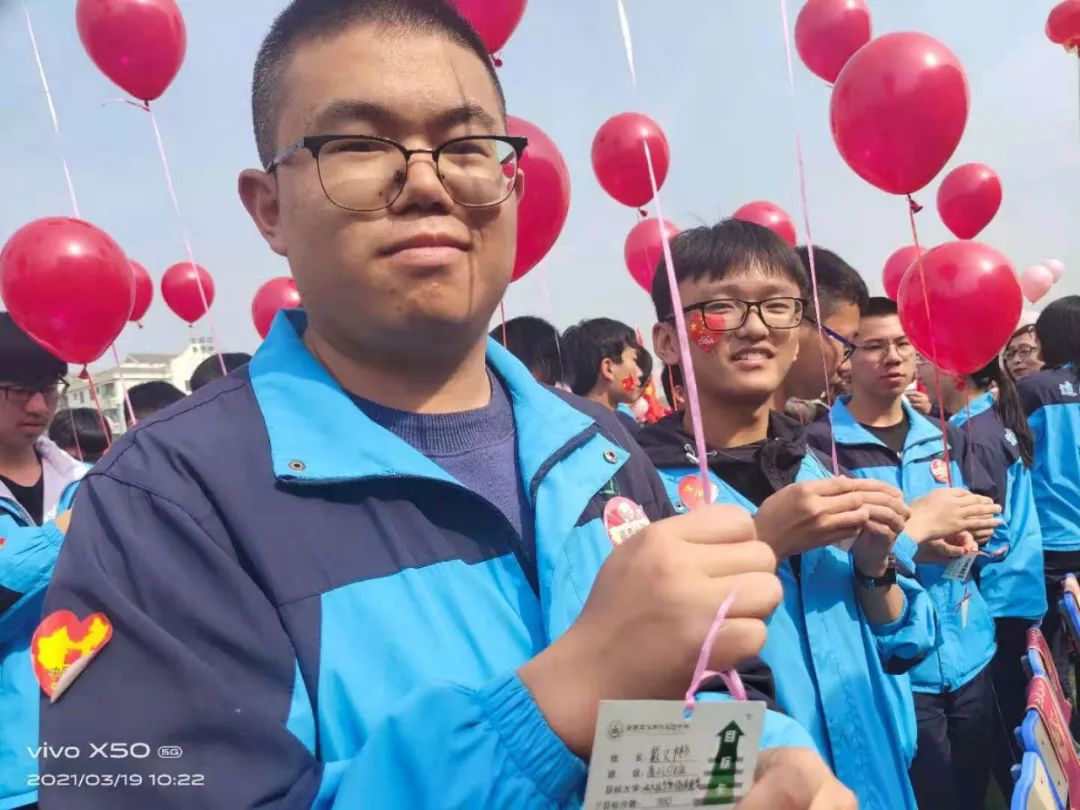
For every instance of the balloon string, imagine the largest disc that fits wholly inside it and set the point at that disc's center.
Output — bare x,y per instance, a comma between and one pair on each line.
123,387
502,314
730,678
52,111
913,209
800,166
970,443
97,404
701,673
74,430
184,236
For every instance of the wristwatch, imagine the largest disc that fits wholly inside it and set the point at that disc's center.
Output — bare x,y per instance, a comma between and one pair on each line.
884,581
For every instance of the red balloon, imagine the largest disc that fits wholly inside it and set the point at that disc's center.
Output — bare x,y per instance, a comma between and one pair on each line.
898,110
277,293
770,216
144,291
828,32
896,266
68,285
494,20
546,203
180,289
618,157
1063,24
138,44
644,249
969,197
963,280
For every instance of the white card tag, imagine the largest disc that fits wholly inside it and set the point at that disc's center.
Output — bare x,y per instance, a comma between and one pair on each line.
959,568
647,753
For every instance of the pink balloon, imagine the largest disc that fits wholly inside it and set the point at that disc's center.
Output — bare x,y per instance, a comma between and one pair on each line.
494,20
968,199
618,157
896,266
543,209
144,291
180,287
1056,267
768,215
828,32
139,44
276,294
898,110
1036,282
644,250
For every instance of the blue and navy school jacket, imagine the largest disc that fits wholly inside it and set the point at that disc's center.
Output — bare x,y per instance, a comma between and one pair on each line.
318,615
28,554
1013,586
1051,400
963,649
836,673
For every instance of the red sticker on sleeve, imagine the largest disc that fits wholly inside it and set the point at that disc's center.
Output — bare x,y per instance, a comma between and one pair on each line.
62,647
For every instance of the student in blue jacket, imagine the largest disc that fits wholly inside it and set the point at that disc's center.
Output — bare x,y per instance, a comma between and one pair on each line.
986,407
602,360
370,569
1051,400
849,626
879,435
37,480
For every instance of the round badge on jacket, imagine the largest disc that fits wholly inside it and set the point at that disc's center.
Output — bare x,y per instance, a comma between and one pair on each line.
940,470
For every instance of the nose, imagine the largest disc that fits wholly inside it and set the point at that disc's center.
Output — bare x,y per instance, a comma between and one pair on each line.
423,188
754,325
37,405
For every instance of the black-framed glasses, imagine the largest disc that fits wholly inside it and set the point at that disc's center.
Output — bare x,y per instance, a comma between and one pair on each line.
20,395
1022,353
729,314
367,173
849,347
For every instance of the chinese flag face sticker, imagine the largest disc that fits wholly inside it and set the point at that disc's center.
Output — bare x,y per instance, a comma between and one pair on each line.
63,645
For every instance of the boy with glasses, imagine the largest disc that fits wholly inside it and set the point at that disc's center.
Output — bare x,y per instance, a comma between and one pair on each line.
848,625
370,569
36,483
879,436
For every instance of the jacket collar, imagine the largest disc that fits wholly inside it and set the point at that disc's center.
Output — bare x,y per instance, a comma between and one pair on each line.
58,469
847,429
979,405
318,435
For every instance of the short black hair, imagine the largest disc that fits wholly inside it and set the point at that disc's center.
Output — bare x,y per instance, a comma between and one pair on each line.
534,342
645,363
150,397
587,344
879,307
838,283
210,369
81,432
671,376
1058,331
22,360
306,20
715,251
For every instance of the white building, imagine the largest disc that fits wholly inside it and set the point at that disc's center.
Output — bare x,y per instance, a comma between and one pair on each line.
138,368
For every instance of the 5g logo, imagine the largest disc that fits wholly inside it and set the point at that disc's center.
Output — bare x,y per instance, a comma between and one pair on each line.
170,752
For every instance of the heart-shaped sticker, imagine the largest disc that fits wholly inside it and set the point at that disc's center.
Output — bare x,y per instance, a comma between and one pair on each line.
692,493
623,519
940,470
62,647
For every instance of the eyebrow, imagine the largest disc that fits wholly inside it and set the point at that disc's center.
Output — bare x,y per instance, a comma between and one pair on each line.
352,110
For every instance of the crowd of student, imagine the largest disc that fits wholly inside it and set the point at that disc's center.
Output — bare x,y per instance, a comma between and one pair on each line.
370,568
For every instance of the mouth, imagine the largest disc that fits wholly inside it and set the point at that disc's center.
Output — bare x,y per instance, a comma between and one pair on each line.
753,356
893,377
428,248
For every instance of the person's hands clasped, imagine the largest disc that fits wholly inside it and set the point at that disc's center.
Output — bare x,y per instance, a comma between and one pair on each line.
888,516
643,625
812,514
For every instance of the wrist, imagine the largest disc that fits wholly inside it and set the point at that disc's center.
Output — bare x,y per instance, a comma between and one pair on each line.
873,567
562,687
875,576
769,538
916,531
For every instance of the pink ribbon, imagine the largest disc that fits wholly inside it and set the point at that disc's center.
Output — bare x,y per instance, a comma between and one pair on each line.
701,673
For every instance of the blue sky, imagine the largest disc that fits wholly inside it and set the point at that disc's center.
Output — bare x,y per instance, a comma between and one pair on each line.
711,72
